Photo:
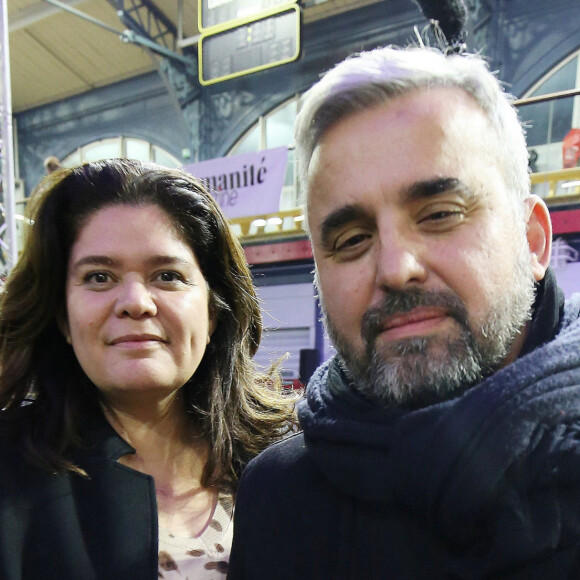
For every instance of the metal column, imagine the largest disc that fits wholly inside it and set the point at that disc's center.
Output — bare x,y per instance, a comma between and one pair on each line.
8,240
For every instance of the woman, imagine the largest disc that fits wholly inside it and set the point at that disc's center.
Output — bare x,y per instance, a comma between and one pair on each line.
129,400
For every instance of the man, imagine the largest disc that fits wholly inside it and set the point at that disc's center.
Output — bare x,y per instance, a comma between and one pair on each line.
51,164
443,441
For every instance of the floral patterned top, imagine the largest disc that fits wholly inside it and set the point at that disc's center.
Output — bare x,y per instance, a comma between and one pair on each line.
204,557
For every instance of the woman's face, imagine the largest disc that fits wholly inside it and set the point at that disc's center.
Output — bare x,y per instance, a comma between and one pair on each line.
136,304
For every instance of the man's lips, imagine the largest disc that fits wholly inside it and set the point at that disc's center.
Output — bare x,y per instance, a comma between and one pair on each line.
135,339
419,321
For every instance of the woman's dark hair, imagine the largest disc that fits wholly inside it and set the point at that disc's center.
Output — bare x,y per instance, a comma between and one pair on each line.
238,411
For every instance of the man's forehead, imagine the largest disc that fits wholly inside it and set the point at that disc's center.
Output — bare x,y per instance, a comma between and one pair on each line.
417,116
347,186
439,102
421,107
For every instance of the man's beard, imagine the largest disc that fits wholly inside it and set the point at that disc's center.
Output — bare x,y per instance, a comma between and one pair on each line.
418,371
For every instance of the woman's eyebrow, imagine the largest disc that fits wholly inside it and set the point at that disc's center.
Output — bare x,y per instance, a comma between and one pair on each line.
103,260
93,260
168,260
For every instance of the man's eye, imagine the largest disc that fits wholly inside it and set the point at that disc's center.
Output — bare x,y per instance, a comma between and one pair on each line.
443,217
440,215
350,242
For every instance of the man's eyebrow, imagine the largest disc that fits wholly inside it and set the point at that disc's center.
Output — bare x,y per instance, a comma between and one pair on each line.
431,187
340,217
416,191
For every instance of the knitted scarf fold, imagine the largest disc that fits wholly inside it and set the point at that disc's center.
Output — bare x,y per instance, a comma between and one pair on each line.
482,468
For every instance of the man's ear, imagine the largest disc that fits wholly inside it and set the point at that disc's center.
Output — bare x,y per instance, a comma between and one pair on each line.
539,235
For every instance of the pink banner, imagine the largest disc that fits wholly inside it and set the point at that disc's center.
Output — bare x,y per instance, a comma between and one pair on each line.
245,185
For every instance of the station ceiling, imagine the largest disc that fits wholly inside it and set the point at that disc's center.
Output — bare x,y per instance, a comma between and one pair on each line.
55,54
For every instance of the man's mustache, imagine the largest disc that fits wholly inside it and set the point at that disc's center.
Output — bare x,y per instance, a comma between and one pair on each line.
398,302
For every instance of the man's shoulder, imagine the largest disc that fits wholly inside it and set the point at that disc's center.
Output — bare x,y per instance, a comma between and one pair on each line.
286,465
281,457
284,510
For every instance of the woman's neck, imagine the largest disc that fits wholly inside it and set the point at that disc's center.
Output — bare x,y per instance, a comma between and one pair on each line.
168,446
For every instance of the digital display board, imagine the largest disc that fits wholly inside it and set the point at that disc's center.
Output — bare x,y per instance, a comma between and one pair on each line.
253,45
222,13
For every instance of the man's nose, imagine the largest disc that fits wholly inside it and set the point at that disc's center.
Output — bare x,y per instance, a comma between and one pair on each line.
134,299
400,262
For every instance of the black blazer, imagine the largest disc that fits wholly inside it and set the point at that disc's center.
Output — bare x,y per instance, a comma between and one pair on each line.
69,527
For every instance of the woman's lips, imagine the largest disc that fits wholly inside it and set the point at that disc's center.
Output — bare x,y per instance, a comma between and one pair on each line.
136,340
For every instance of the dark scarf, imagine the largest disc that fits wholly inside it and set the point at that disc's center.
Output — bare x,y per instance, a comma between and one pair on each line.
446,461
548,311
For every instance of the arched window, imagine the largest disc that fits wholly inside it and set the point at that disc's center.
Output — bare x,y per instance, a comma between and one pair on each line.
121,147
550,122
275,129
553,136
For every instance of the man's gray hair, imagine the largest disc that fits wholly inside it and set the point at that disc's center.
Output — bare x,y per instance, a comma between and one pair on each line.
372,78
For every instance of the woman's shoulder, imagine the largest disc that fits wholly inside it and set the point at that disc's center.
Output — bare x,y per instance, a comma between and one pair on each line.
14,427
14,422
26,410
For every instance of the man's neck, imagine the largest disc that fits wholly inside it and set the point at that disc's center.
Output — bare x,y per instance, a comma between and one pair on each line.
546,315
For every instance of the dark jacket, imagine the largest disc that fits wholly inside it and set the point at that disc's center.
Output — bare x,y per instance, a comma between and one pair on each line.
67,527
486,485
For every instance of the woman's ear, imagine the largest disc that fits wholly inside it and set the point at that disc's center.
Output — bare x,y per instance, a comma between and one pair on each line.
212,325
212,316
62,323
539,235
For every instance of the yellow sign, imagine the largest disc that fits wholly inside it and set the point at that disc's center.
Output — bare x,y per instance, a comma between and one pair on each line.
212,14
250,46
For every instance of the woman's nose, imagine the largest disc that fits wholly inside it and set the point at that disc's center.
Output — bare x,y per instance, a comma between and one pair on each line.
135,300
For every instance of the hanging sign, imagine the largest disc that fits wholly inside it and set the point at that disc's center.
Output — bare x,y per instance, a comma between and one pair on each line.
226,13
251,46
245,185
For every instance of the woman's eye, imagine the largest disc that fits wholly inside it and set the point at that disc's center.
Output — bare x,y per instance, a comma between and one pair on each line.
170,277
97,278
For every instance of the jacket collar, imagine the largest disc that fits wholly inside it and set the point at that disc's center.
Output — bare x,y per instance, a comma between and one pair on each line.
101,440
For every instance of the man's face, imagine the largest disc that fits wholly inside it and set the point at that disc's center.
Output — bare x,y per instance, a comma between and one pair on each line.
422,262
